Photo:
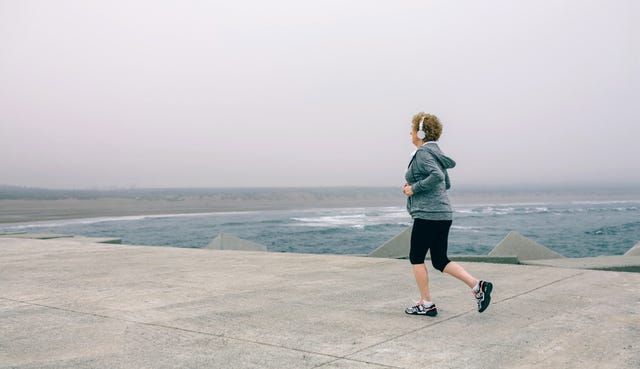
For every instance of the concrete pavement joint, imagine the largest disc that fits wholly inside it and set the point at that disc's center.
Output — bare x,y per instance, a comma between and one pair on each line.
345,357
335,358
359,361
53,325
540,287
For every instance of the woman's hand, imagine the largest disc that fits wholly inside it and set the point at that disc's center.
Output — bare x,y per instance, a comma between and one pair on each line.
407,190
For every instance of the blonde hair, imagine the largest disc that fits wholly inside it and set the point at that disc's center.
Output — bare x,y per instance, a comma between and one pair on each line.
431,126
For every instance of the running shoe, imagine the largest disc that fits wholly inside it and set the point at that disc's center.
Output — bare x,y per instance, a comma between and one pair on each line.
419,309
483,297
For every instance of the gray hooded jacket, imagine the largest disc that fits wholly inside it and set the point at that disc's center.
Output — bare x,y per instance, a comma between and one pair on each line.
427,175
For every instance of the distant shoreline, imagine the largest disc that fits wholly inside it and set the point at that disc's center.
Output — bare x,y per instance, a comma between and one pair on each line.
23,211
20,205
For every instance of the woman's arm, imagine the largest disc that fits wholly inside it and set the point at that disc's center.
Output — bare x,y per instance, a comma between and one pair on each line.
427,165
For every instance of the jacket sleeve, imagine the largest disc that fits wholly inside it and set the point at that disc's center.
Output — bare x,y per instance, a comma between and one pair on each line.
426,164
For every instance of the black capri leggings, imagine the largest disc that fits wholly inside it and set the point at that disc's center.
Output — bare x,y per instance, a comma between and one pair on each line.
430,235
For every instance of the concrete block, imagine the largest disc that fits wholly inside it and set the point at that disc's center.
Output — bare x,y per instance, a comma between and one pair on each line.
230,242
515,244
634,251
109,240
620,263
396,248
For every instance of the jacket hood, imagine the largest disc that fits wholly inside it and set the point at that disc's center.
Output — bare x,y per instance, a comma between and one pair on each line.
445,161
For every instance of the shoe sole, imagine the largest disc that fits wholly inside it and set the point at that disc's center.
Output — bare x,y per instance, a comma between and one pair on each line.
429,313
487,296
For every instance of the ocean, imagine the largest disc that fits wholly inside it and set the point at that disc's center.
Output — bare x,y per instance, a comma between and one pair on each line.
573,228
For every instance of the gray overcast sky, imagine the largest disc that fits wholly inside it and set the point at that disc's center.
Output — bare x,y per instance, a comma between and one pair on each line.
299,93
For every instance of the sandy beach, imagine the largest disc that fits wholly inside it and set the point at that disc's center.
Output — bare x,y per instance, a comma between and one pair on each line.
18,211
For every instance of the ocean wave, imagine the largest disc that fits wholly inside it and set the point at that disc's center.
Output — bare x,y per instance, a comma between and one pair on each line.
614,229
357,218
467,228
597,210
491,210
604,202
68,222
125,218
571,229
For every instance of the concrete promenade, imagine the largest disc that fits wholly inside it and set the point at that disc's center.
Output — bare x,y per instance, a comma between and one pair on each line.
66,304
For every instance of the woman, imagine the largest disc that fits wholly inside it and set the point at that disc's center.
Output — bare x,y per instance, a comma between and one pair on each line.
426,184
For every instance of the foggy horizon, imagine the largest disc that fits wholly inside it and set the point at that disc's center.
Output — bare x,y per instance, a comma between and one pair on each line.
247,94
463,187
